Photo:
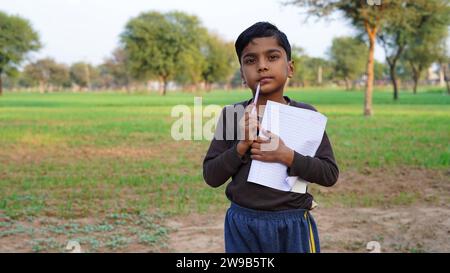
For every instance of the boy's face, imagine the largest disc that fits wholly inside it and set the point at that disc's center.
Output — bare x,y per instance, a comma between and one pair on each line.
264,60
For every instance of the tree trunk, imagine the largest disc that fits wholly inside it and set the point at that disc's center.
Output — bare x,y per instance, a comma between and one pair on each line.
164,89
371,32
1,84
442,76
319,75
415,80
444,68
394,80
392,61
41,87
88,77
209,86
416,76
347,84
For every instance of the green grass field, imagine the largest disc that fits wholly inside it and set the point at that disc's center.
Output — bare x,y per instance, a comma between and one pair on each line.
79,154
70,156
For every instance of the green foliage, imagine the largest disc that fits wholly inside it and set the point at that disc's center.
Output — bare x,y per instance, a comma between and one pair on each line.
348,58
358,12
83,74
220,60
162,45
379,70
428,44
16,39
191,60
190,66
421,29
175,46
114,71
46,72
368,19
307,69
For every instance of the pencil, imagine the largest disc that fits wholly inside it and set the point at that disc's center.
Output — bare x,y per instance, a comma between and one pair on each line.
255,100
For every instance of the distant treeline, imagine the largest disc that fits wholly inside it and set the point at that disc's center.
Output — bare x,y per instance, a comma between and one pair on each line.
174,51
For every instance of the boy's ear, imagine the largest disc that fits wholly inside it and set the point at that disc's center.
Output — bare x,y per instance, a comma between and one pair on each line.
290,68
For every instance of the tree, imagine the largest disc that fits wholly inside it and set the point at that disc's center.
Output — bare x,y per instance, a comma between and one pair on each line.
114,70
378,70
83,74
368,18
298,56
220,61
428,44
348,58
416,16
157,43
393,37
60,76
396,34
17,38
444,61
403,71
11,78
308,70
190,67
46,72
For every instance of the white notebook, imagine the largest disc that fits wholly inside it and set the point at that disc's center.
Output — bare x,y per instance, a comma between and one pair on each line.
301,130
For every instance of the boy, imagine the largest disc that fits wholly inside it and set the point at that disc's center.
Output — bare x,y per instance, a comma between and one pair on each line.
263,219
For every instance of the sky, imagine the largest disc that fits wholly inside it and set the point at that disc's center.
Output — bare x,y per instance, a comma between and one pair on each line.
88,30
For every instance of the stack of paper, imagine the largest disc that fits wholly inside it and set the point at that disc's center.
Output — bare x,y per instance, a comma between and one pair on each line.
301,130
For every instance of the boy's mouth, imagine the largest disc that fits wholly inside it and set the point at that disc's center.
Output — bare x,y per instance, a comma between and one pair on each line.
265,80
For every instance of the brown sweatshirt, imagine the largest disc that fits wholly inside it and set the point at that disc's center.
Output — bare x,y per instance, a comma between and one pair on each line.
222,162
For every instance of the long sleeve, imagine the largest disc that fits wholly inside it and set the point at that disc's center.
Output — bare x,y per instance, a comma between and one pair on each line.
321,169
222,160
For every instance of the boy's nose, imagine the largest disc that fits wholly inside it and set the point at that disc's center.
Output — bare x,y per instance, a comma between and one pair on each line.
262,66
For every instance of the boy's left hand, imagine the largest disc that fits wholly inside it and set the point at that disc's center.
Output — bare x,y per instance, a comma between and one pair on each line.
272,149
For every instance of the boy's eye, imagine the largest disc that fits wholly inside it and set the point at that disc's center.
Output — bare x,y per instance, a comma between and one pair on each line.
249,60
273,57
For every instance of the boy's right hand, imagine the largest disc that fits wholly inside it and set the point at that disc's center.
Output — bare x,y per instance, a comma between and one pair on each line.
248,125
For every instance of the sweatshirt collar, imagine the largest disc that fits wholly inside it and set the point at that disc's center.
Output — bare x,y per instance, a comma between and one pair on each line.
289,101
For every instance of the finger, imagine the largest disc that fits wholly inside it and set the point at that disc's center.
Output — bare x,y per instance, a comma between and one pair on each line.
257,157
252,133
262,139
260,158
255,151
253,116
253,125
266,132
269,133
256,145
247,116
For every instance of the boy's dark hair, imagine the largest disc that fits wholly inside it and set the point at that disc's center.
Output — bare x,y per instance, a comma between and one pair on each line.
259,30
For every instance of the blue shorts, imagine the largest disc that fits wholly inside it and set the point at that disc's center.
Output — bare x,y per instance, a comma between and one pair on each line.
255,231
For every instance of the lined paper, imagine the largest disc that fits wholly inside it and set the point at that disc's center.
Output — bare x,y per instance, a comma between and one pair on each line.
301,130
